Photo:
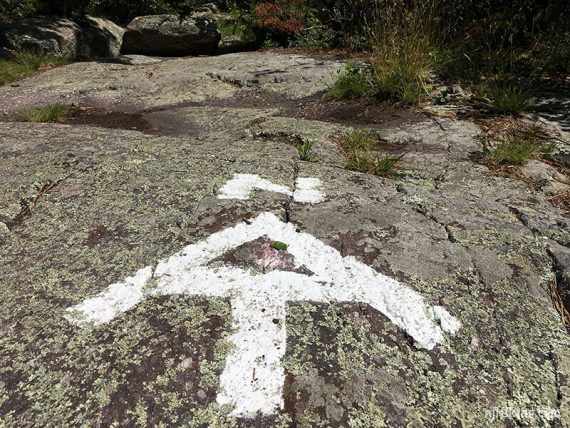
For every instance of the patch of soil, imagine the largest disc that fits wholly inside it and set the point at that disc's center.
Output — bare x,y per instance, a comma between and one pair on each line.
251,98
357,112
95,116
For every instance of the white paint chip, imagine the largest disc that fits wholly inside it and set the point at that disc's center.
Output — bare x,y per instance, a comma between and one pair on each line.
252,380
307,190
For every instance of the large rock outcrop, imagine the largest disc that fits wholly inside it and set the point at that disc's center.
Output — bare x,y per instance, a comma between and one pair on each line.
171,35
84,207
87,37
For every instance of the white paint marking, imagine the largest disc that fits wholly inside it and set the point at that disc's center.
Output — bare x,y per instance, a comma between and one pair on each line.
448,323
259,302
307,190
119,297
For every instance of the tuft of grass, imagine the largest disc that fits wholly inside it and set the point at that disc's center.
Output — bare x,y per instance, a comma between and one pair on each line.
304,146
504,97
360,154
24,64
386,165
305,149
48,113
351,82
513,152
406,37
358,140
402,72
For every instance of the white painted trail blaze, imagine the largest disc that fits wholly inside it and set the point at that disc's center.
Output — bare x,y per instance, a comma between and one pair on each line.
252,380
307,190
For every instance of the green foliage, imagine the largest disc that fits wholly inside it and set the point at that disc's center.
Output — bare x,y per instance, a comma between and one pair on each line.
278,245
315,35
361,154
48,113
551,52
402,78
118,10
125,10
358,140
15,9
238,28
353,81
305,148
514,152
478,37
24,64
504,97
385,165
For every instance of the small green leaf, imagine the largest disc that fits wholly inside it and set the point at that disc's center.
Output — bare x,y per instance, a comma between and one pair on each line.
278,245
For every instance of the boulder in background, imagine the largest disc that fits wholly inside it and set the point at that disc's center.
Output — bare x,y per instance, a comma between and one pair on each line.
86,37
172,35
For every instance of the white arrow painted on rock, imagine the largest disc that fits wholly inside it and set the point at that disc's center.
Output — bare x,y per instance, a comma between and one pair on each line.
252,380
307,190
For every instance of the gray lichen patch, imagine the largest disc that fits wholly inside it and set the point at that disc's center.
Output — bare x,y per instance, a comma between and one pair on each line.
145,368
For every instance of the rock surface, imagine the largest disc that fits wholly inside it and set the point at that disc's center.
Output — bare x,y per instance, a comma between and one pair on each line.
88,37
104,202
171,35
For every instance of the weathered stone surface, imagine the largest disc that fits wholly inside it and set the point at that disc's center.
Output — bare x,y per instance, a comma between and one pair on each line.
88,37
172,35
541,172
128,82
487,248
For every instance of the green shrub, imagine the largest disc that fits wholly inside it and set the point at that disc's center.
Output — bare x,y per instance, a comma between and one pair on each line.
353,81
15,9
48,113
316,35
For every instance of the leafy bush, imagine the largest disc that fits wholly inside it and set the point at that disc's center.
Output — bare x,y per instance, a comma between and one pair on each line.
315,35
118,10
